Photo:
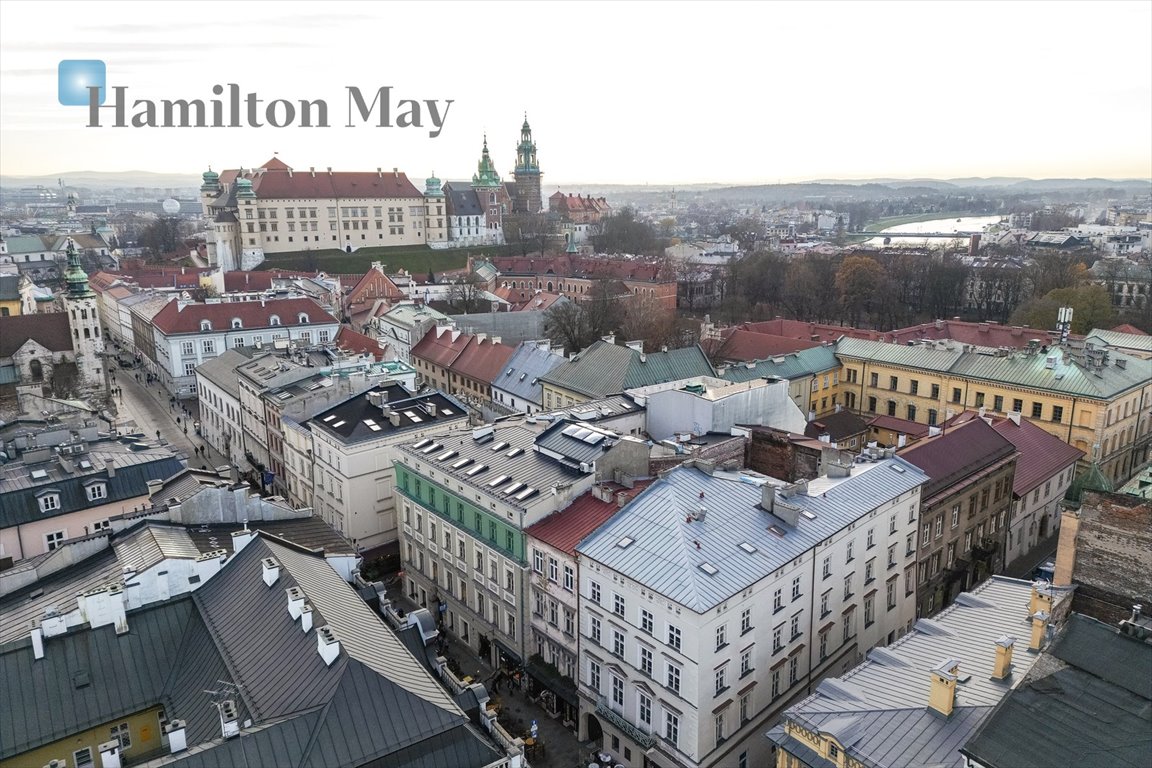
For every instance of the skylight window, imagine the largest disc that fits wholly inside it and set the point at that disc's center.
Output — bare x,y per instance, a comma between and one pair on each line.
808,515
338,424
476,470
709,569
514,452
447,412
776,531
462,463
897,468
527,492
422,443
499,446
412,415
432,448
513,488
375,427
508,372
39,474
447,455
747,547
370,422
499,481
328,418
625,542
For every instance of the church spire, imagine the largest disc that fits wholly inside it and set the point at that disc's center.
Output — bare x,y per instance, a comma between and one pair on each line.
526,151
486,175
75,276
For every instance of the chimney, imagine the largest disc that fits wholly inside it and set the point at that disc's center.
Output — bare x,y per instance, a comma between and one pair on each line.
312,170
229,719
306,618
942,695
1003,667
110,753
394,418
1041,598
768,498
240,539
295,602
1015,417
379,173
1039,629
271,570
177,736
37,640
327,644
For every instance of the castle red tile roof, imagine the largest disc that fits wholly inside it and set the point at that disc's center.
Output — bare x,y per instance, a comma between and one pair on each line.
49,329
565,529
278,181
173,319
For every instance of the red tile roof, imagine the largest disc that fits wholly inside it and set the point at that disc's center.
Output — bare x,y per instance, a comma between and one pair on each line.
1129,328
277,181
742,345
483,360
565,530
527,299
980,334
903,426
441,346
1041,455
349,340
958,453
50,330
253,314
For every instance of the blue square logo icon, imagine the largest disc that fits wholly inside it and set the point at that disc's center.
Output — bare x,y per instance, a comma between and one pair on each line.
76,76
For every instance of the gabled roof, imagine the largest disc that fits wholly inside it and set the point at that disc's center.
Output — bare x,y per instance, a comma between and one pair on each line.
374,285
1041,457
482,360
806,362
51,330
879,710
221,370
742,345
273,183
351,341
898,425
958,453
521,374
441,346
173,319
564,530
462,200
358,418
1128,328
605,369
1086,701
836,425
1134,339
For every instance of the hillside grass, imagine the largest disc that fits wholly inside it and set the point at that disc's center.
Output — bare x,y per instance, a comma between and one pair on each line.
417,259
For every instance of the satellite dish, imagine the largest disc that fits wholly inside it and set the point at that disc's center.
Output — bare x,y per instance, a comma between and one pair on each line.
171,206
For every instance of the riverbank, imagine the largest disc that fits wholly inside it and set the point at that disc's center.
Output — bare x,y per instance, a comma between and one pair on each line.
896,221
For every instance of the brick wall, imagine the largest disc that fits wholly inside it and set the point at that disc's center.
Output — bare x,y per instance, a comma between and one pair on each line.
1112,566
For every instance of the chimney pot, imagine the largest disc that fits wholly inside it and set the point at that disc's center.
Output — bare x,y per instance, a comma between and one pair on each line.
1039,630
1003,664
327,644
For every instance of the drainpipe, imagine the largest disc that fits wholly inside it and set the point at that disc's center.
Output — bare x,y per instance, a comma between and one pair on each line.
811,626
1071,421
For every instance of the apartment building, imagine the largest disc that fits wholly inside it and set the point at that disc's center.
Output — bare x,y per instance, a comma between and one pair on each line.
708,603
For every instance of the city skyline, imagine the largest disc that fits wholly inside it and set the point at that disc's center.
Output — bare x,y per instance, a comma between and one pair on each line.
620,94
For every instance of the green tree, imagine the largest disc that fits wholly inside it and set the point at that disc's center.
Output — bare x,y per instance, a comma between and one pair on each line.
1091,308
858,281
622,232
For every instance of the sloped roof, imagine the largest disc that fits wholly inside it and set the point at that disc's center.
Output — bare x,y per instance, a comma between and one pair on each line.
880,707
662,554
521,374
564,530
441,346
1041,455
1128,328
605,369
462,200
252,314
273,183
836,425
1134,339
958,453
221,370
896,424
154,543
9,287
483,360
351,341
806,362
50,329
1086,701
742,345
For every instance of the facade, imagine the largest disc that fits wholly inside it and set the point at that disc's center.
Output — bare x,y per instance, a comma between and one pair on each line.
813,377
467,497
965,511
218,390
36,349
352,453
1094,399
185,334
706,405
84,317
707,603
461,364
940,682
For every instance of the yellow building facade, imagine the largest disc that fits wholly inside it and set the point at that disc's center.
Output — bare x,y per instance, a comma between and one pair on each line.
1097,403
139,735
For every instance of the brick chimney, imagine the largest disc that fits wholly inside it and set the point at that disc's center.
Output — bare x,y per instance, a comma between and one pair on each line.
1039,630
271,571
942,695
1003,667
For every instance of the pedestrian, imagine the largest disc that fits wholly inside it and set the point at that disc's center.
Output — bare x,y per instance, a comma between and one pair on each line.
185,430
157,434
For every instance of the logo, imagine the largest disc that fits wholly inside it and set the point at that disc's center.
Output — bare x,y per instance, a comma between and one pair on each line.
76,77
83,83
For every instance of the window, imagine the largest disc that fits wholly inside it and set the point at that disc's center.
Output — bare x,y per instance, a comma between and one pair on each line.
49,502
617,691
721,636
871,538
848,585
870,570
569,621
795,626
891,555
891,407
778,600
872,405
569,577
979,399
719,727
646,661
824,604
793,670
618,643
827,566
1057,414
644,708
925,534
932,417
97,491
594,675
777,638
1037,410
869,610
746,620
674,637
274,320
998,403
775,683
646,620
721,679
594,625
955,394
911,413
935,391
848,559
874,380
745,661
823,645
671,727
796,588
674,678
892,594
82,757
537,561
53,540
893,383
187,348
123,734
594,592
618,605
955,515
554,574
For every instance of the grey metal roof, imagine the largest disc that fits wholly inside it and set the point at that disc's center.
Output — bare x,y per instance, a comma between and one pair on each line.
883,702
579,443
308,532
221,370
1121,340
663,556
606,369
1065,377
603,409
57,591
154,543
68,477
1086,701
521,374
806,362
462,200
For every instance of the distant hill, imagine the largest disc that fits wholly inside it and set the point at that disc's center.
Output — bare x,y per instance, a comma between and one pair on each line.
106,180
1007,182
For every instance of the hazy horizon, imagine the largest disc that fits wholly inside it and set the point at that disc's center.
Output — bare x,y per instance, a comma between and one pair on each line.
737,94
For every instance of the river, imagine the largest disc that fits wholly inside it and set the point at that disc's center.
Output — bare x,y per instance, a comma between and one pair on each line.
963,224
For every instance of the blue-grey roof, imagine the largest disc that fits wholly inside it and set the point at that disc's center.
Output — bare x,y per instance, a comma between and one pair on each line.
607,369
806,362
1017,369
132,471
882,704
663,555
1121,340
521,376
579,443
1086,701
462,200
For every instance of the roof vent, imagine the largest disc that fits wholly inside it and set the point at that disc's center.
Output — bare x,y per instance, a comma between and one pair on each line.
229,719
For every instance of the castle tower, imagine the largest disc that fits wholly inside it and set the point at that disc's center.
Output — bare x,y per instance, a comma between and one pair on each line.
527,173
435,217
251,253
209,190
87,339
491,195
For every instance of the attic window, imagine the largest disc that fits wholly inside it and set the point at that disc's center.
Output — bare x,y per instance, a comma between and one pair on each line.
446,455
236,323
303,318
274,320
534,381
39,474
476,470
447,412
205,325
709,569
338,424
776,531
747,547
625,542
462,463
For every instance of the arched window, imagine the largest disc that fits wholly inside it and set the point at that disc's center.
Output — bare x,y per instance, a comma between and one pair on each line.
205,325
37,370
236,323
274,320
303,318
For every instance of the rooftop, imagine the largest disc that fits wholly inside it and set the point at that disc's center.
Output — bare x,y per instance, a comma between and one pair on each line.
653,541
957,454
606,369
565,529
180,317
793,365
385,411
522,372
1041,455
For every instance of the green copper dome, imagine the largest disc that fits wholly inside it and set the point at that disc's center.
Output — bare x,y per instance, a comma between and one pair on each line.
244,188
211,181
432,186
75,276
1092,480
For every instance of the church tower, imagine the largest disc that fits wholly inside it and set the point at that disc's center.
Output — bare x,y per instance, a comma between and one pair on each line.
491,195
83,317
527,173
435,217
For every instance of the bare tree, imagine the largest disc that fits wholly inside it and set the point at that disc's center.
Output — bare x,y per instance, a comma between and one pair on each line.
568,323
467,296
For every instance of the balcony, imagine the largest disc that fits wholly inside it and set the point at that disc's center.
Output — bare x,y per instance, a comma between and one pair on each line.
642,739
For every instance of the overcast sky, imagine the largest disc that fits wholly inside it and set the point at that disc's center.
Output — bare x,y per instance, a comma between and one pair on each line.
645,92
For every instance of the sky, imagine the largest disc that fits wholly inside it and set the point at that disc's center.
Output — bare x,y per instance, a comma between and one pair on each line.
620,92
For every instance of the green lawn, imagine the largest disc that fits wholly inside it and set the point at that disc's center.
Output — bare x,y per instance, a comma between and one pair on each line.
415,259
